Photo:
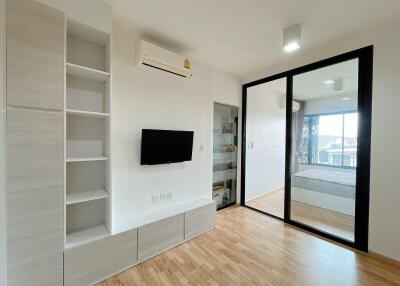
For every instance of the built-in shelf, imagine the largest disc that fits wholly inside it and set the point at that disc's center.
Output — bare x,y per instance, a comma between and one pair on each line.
87,159
77,70
225,169
87,235
88,112
225,153
81,197
72,112
225,134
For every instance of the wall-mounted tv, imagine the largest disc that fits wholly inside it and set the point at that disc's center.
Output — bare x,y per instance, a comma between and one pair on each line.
166,146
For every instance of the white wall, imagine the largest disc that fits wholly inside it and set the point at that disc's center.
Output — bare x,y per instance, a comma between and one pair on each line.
143,99
3,206
384,224
331,104
265,131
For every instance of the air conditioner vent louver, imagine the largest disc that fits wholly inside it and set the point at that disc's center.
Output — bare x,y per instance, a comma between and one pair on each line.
151,57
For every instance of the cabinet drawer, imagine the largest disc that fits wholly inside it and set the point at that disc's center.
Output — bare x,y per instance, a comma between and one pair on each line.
200,220
93,262
156,237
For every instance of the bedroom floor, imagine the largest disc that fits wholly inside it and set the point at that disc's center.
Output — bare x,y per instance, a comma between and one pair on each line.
326,220
247,248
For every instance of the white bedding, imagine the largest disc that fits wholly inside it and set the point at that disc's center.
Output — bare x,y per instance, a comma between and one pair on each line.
332,176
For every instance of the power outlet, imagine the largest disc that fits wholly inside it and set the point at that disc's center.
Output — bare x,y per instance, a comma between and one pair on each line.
155,197
170,195
163,196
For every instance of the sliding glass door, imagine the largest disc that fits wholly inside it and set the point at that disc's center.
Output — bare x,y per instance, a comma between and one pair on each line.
327,127
324,148
265,149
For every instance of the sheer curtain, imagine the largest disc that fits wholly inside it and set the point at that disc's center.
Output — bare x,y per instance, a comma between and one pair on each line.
297,135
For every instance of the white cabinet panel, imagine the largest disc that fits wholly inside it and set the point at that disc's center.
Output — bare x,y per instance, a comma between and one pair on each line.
35,55
159,236
90,263
200,220
35,177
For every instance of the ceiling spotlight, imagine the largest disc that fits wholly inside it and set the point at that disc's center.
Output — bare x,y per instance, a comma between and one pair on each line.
338,84
291,47
291,38
328,82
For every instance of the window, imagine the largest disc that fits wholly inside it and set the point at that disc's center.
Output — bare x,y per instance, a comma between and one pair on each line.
330,140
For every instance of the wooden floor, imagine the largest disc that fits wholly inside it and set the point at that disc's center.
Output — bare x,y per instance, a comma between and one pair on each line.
326,220
248,248
272,203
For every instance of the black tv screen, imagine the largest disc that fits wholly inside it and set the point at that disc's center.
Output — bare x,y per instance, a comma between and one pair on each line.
166,146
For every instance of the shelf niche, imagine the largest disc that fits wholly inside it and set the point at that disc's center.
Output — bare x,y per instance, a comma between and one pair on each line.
86,137
85,222
85,94
87,146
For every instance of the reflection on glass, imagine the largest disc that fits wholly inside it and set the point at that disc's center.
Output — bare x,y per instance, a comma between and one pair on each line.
324,148
225,154
350,139
265,150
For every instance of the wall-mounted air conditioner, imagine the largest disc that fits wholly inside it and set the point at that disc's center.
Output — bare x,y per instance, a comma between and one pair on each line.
151,57
295,104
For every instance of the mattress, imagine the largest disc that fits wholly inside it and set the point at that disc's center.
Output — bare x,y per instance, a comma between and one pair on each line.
332,176
334,182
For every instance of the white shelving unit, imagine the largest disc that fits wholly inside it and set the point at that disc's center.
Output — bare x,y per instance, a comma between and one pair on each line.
86,159
80,197
87,136
77,238
87,113
85,72
225,142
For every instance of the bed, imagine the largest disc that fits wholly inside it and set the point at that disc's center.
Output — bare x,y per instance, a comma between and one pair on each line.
337,182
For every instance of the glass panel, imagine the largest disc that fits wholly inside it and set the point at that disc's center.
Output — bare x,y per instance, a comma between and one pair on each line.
265,150
350,139
324,148
225,141
328,139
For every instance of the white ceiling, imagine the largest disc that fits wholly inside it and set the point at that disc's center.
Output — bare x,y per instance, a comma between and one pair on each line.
241,37
310,85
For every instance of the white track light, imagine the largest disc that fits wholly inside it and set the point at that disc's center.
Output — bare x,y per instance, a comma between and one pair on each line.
291,38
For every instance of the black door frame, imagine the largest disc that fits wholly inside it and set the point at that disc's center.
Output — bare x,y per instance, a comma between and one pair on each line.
365,68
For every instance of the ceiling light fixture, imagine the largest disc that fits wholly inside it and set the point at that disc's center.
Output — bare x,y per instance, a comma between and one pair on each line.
338,84
291,38
345,98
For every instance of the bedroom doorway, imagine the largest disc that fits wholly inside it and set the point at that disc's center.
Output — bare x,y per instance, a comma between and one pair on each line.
327,146
324,148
